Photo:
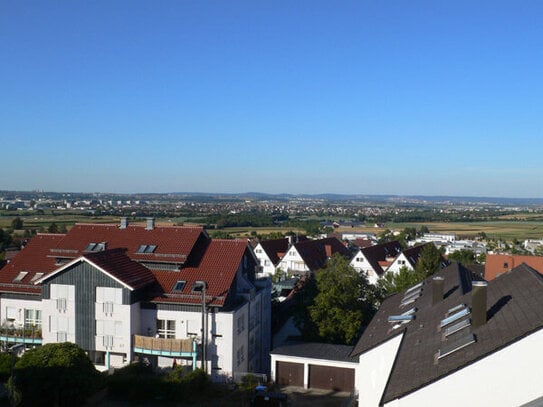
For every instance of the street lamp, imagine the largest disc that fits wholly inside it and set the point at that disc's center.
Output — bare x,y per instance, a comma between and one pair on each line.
201,286
13,350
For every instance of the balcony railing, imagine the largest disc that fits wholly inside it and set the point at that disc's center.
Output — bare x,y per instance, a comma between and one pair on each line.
21,335
165,346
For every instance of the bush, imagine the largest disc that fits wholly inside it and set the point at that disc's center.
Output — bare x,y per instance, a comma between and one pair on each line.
59,374
136,381
5,366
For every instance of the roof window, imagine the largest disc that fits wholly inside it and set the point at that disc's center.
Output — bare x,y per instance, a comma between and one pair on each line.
454,317
146,248
36,277
457,327
20,276
179,285
456,345
95,247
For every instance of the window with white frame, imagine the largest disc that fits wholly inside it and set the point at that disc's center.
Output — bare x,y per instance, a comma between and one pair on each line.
108,330
165,328
33,318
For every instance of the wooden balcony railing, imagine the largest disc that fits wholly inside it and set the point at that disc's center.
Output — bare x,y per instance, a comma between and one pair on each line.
164,344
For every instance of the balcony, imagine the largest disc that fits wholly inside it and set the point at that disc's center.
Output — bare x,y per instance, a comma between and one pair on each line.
31,336
175,348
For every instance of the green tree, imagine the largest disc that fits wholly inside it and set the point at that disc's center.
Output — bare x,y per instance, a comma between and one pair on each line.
56,374
344,300
17,223
392,283
53,228
463,256
430,260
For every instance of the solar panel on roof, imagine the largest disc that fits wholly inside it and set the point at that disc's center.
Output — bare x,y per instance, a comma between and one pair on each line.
456,345
454,317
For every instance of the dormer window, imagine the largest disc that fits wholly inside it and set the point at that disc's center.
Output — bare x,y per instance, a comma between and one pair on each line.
146,248
36,277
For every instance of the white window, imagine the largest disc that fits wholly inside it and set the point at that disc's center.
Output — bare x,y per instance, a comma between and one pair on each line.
62,291
33,318
60,324
11,313
165,328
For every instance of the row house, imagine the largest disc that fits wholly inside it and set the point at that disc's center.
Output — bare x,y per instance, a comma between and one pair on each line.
132,292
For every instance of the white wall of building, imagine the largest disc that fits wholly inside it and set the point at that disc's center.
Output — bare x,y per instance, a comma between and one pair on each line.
360,263
15,308
374,371
268,268
293,262
58,316
510,377
398,263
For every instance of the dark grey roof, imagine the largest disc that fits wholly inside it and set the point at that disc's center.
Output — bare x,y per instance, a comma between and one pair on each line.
514,310
380,252
314,350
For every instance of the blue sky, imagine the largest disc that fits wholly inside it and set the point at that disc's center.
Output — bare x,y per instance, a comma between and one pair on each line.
371,97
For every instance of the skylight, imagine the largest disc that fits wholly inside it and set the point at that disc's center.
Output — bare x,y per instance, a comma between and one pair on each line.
20,276
95,247
179,285
455,308
457,327
401,318
90,247
454,317
36,277
456,345
146,248
413,288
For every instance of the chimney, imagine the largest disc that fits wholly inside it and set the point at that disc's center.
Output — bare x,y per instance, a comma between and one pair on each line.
478,303
150,224
328,249
124,223
437,290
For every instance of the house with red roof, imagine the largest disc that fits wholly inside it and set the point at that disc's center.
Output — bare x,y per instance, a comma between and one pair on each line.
130,292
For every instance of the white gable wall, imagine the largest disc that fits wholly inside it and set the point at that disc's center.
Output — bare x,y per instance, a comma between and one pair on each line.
510,377
399,262
374,371
292,262
361,264
268,268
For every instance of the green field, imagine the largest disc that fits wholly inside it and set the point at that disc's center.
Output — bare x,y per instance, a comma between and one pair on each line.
527,227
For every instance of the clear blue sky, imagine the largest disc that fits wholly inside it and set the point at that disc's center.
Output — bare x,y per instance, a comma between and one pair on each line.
372,97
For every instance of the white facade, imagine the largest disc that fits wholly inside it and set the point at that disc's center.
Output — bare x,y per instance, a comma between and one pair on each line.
360,263
510,377
399,262
267,266
292,262
374,370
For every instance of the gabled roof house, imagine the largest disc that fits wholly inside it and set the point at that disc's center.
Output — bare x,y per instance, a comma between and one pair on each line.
373,261
126,292
310,255
455,339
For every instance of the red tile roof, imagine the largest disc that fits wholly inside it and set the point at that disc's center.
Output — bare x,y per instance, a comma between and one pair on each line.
496,264
173,243
215,262
218,268
33,258
118,264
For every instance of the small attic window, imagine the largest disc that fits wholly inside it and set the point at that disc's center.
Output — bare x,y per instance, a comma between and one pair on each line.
179,285
90,247
20,276
36,277
146,248
95,247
